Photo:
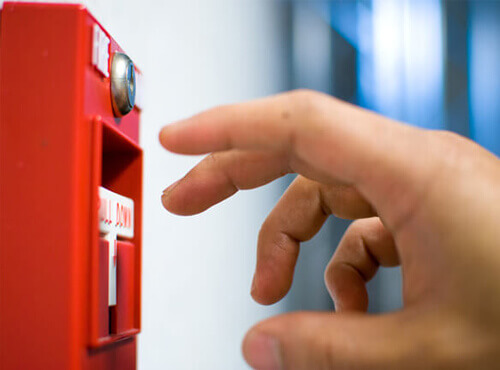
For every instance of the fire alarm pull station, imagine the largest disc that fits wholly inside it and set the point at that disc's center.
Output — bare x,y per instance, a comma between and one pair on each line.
70,192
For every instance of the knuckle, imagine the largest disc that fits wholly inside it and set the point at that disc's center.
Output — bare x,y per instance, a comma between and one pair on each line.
329,274
455,151
356,227
347,202
307,103
278,242
450,142
303,94
448,136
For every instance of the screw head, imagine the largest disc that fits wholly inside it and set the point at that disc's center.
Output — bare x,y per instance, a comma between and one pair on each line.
122,78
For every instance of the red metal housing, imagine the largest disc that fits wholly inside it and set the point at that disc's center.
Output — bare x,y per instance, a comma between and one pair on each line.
60,141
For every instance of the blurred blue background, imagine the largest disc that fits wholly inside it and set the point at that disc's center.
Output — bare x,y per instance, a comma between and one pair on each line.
431,63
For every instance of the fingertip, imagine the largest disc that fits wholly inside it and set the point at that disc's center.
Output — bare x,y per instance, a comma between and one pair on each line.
266,299
253,288
163,137
171,187
165,201
263,299
267,291
173,205
261,350
171,202
171,135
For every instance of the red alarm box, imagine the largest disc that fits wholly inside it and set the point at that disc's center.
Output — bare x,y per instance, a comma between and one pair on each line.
70,192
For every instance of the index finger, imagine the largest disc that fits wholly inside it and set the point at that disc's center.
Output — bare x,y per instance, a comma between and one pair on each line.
325,140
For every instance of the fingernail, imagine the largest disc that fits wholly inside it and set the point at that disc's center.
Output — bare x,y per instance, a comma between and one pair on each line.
252,289
172,126
262,351
168,190
162,135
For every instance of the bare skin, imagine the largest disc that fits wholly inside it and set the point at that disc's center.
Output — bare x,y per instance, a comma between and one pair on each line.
427,200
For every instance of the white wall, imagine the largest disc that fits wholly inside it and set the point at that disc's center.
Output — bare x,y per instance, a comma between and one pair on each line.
197,271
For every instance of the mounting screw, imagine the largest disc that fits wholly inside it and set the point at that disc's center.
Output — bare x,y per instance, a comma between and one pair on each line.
122,84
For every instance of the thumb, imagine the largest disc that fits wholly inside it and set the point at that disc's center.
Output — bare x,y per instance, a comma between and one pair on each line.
311,340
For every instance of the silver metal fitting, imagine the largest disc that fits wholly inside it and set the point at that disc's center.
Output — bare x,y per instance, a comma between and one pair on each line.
123,87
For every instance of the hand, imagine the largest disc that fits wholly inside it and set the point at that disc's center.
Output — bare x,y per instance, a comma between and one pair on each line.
427,200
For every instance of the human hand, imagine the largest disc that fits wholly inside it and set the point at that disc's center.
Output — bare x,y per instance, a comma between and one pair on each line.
427,200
